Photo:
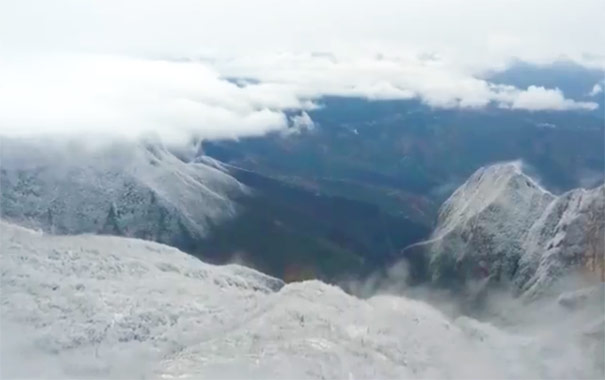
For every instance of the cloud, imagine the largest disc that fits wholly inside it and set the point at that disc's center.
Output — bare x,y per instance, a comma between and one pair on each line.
436,82
302,122
539,99
596,90
130,97
59,94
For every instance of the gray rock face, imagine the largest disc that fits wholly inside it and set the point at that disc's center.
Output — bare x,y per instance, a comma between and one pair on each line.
502,226
129,189
568,235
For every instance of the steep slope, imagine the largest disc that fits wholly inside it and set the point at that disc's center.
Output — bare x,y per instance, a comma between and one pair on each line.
132,189
101,306
502,226
95,306
569,234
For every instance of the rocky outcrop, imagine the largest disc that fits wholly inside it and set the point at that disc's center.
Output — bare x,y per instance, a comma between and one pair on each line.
569,235
503,227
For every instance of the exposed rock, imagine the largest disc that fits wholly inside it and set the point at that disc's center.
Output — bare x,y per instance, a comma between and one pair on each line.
503,226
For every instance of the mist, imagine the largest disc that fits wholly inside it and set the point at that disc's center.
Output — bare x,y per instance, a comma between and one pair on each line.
567,322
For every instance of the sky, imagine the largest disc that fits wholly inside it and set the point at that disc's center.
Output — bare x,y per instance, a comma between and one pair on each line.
133,67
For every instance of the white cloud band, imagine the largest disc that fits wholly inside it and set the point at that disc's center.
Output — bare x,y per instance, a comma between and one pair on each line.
64,94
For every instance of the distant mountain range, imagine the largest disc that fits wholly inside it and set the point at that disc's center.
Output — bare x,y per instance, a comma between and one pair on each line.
574,80
499,225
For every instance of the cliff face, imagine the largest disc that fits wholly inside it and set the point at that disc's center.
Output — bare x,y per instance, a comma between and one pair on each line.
503,227
568,235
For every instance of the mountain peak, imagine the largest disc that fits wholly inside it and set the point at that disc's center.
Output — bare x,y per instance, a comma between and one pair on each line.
492,187
503,226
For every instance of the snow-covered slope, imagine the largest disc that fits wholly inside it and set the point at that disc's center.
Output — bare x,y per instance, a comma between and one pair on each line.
132,189
91,305
503,226
98,306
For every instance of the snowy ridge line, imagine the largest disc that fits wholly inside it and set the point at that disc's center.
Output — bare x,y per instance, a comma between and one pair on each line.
439,232
107,307
129,189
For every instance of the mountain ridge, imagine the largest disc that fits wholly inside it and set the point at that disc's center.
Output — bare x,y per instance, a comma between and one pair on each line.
132,189
104,306
502,225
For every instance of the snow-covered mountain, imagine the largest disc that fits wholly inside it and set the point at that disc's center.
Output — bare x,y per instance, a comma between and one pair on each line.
502,225
133,189
99,306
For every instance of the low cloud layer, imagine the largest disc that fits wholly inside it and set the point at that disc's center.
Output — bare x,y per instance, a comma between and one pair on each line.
539,98
435,81
132,97
178,100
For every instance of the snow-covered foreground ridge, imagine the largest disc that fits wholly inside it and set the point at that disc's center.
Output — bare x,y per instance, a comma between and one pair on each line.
501,224
80,306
